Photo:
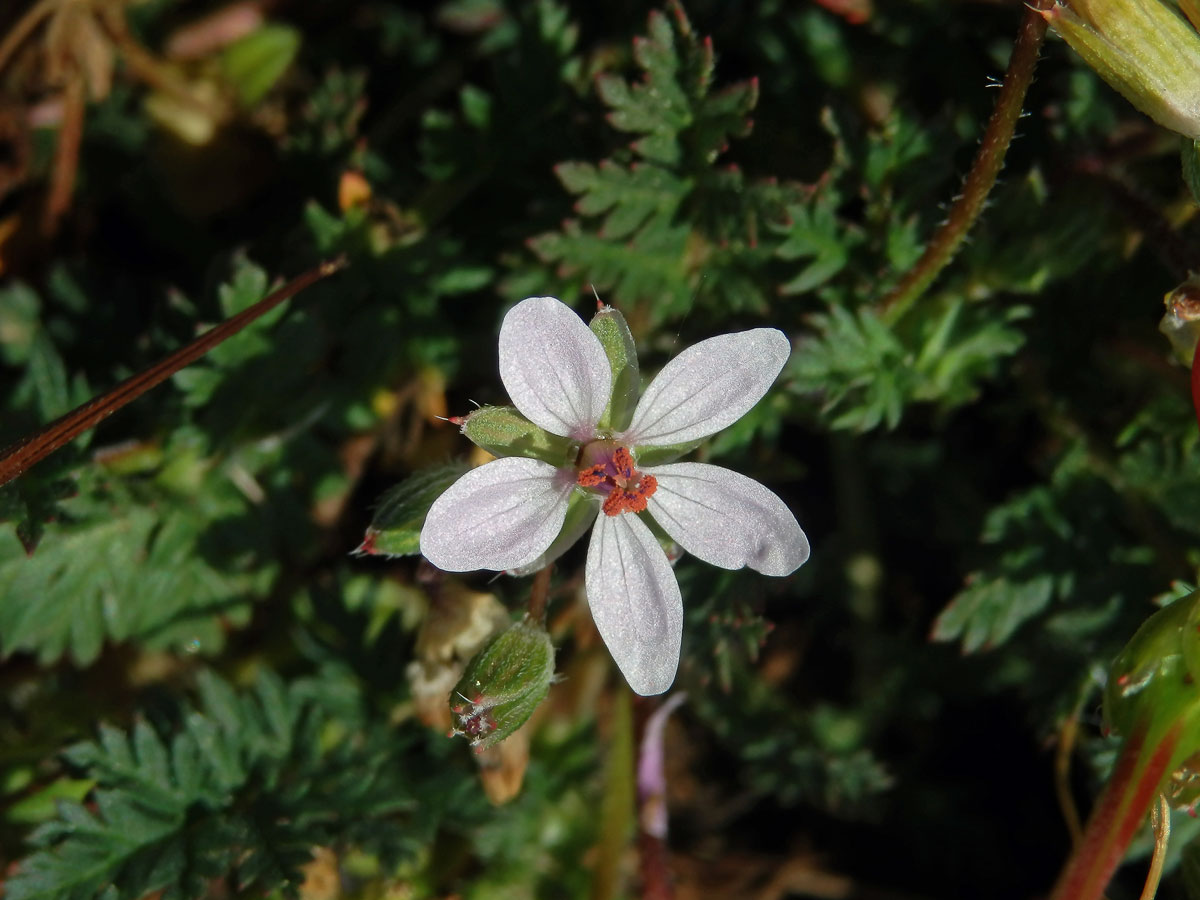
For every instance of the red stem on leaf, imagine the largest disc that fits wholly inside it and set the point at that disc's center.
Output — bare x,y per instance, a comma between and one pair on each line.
1121,809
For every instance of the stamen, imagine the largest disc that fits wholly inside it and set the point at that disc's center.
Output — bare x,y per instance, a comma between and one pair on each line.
623,463
630,499
615,475
593,477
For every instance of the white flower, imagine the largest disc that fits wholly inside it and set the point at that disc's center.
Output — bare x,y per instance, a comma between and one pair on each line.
506,514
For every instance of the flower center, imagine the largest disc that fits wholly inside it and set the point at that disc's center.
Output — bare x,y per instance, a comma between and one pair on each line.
607,468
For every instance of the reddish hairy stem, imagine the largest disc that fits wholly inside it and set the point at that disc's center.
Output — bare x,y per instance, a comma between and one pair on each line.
986,166
1121,809
654,870
34,448
1196,382
539,594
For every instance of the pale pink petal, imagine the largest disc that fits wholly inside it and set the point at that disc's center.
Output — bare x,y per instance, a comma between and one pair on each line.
635,602
499,516
581,513
652,769
726,519
554,368
708,386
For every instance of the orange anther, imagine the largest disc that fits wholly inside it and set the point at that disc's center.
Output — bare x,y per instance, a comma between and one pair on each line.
623,463
593,476
627,489
630,499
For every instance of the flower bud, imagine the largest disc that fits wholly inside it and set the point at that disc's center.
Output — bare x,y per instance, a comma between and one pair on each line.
503,685
502,431
1181,322
395,529
1145,49
1153,691
617,340
457,625
1157,674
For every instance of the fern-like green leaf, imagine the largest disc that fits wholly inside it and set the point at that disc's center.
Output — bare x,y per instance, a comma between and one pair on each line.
146,575
866,373
658,218
243,790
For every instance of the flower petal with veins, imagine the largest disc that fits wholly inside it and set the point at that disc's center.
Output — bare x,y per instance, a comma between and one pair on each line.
554,368
499,516
708,386
727,519
635,602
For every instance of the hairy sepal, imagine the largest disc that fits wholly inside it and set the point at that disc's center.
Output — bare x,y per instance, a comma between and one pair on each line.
503,431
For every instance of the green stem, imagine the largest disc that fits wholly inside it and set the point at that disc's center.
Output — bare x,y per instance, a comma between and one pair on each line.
617,806
1146,759
986,166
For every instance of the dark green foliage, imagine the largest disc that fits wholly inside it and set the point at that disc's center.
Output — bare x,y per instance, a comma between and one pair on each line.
662,224
44,392
813,232
1190,157
142,575
816,755
867,376
240,792
1045,536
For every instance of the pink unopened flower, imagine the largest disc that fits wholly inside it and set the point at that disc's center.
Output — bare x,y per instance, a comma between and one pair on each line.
513,513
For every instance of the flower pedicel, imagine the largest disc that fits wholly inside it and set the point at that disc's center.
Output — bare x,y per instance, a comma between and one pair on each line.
578,449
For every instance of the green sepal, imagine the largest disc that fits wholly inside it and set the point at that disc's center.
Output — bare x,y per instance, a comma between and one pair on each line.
502,431
657,456
1189,636
615,337
503,685
400,514
668,543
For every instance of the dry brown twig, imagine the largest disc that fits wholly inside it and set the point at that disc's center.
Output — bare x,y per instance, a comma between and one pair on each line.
72,62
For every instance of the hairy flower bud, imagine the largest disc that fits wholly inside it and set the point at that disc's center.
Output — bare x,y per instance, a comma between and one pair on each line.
1146,49
395,530
503,685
